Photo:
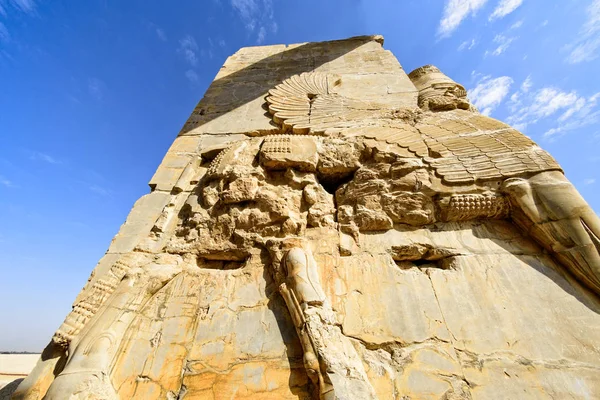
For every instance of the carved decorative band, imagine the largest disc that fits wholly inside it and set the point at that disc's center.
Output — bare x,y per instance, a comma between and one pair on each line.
465,207
277,144
84,310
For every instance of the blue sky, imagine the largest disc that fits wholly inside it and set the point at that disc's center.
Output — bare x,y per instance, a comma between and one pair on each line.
92,93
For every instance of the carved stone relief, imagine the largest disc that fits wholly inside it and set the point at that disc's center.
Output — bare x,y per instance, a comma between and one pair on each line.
360,248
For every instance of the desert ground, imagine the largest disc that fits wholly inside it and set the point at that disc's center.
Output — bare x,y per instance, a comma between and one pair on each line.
13,368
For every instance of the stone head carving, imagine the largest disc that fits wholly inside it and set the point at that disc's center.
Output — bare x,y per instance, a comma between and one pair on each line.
437,92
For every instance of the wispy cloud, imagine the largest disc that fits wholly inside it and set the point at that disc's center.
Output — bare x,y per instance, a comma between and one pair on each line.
262,34
4,35
188,47
152,27
589,181
161,34
503,43
584,112
209,51
455,11
257,16
191,75
96,88
102,191
26,6
527,84
504,8
467,45
587,44
6,182
490,92
516,25
248,11
569,110
39,156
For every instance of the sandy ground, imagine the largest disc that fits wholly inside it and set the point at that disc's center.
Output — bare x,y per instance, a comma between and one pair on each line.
15,367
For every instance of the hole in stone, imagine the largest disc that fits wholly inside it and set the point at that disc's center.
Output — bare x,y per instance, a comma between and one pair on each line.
331,183
224,260
421,263
444,263
209,155
222,265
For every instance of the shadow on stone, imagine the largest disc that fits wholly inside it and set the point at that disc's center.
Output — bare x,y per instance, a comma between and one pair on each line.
551,268
7,391
267,76
298,382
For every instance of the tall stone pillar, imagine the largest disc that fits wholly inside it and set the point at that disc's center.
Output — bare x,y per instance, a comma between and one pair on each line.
327,226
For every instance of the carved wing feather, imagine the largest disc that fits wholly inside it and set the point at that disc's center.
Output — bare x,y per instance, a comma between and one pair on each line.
462,147
302,103
480,148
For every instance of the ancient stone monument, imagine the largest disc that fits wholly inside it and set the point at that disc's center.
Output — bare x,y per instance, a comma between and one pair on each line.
326,226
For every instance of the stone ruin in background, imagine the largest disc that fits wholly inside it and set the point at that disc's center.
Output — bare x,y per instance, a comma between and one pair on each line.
326,226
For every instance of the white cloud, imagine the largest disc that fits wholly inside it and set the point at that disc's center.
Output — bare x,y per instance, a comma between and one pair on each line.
503,43
257,16
589,181
490,92
191,75
467,45
504,8
549,100
39,156
517,24
188,47
248,10
455,12
570,110
527,84
592,25
582,113
262,34
585,47
530,108
161,34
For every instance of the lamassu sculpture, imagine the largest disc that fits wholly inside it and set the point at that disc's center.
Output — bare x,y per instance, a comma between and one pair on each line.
327,226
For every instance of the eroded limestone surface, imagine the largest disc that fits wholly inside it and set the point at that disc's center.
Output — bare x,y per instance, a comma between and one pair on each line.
326,226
